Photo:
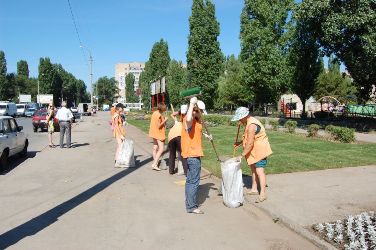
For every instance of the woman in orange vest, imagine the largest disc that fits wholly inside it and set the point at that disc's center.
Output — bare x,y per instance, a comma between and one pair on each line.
256,149
174,140
119,131
157,131
192,151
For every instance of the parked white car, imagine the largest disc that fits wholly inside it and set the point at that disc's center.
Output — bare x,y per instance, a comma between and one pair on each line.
21,109
8,108
12,140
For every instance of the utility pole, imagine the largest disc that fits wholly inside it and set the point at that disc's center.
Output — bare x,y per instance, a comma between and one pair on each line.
91,77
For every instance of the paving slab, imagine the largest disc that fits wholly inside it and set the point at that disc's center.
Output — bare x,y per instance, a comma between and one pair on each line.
75,199
306,198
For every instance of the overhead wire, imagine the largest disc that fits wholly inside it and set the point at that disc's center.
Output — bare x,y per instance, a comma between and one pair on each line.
77,33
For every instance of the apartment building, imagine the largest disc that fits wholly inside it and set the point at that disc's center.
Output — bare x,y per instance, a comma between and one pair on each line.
122,70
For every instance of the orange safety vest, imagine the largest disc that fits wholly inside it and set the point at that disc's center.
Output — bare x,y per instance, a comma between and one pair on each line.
117,124
261,147
154,131
175,131
191,143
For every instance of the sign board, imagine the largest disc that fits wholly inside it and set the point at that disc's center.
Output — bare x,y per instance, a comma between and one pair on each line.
158,86
121,81
45,99
25,98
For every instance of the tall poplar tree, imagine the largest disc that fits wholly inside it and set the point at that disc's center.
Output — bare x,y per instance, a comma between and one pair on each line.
306,61
130,93
264,35
49,80
204,56
23,68
176,82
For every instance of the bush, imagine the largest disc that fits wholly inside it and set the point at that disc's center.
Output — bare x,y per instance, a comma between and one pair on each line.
291,126
263,121
344,135
274,124
216,120
313,129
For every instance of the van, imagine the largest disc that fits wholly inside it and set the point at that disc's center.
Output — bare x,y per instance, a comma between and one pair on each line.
21,109
85,108
8,109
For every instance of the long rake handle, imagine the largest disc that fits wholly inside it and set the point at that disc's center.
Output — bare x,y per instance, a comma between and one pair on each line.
236,141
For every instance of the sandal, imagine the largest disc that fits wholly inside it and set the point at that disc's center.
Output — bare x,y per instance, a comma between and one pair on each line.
155,167
250,192
197,211
261,199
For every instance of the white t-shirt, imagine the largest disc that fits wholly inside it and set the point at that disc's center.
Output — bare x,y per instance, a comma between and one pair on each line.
64,114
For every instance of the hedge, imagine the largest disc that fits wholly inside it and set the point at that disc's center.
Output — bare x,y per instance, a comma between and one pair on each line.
345,135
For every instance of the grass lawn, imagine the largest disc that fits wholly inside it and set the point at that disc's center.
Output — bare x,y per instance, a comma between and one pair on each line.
291,153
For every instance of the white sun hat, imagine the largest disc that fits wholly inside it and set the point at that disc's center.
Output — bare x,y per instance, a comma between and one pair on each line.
201,105
184,109
240,113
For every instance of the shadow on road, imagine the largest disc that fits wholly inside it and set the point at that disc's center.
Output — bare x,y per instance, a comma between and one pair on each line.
15,161
44,220
77,145
203,192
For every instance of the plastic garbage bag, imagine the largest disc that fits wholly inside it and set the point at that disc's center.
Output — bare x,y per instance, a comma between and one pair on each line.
126,154
232,183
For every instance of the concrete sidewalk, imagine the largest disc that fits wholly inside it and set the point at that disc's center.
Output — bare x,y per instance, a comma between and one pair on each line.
303,199
75,199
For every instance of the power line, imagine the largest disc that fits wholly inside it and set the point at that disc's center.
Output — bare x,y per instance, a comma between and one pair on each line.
77,33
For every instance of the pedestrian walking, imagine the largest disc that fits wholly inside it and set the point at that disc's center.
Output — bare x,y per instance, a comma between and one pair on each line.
256,149
157,131
174,140
65,117
118,129
50,123
192,151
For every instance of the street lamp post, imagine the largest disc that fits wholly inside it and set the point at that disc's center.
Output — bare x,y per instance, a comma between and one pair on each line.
91,73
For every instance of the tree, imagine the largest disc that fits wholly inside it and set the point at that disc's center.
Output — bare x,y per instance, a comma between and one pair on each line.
130,93
232,92
265,33
23,68
50,81
306,60
3,74
348,30
333,83
204,56
155,68
107,89
176,82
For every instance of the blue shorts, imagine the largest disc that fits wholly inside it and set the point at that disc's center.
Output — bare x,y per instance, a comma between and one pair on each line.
262,163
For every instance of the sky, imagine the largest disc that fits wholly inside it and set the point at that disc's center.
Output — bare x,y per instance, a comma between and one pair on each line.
113,31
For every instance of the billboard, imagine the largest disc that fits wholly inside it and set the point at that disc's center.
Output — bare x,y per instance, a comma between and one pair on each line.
158,86
25,98
45,98
121,81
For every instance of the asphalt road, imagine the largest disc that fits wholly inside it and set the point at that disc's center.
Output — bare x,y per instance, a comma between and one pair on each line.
37,141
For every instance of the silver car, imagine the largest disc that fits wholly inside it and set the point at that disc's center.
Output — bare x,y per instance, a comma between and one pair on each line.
12,140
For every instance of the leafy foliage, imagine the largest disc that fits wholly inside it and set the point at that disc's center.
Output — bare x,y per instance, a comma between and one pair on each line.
204,56
176,82
22,69
107,90
232,91
313,130
291,126
344,135
348,30
130,94
264,35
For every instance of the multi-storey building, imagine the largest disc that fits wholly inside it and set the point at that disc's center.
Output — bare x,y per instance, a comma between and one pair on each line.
122,70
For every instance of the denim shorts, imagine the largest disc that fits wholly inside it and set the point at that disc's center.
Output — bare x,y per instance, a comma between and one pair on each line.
262,163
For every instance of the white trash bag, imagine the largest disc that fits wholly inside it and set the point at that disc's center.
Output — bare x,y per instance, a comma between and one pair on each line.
232,183
126,155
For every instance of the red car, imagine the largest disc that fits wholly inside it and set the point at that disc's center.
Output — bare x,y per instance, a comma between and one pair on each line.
39,120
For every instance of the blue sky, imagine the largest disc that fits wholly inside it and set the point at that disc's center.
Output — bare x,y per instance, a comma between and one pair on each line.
114,30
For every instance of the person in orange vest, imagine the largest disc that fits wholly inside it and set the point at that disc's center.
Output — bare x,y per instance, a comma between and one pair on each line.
256,149
157,131
192,151
113,110
174,140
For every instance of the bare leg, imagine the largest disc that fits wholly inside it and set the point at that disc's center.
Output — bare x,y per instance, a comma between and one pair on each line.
159,152
50,139
155,148
262,179
254,178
